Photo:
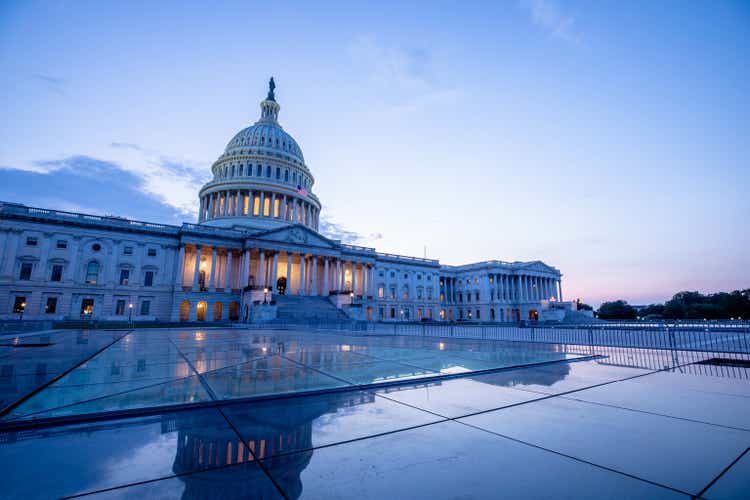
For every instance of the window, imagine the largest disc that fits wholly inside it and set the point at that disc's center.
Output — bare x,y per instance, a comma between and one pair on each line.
25,271
259,170
294,177
393,312
476,280
19,305
477,295
56,272
268,170
92,272
419,277
62,244
392,294
124,276
393,274
145,307
31,241
468,296
87,307
148,278
127,250
492,279
460,297
478,317
278,173
120,307
381,292
429,277
286,175
380,274
151,252
51,306
96,247
406,276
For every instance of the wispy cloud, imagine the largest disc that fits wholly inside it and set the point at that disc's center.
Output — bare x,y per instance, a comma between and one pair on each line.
51,83
549,16
405,74
337,231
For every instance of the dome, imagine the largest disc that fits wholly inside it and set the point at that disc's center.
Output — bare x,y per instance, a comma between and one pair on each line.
266,138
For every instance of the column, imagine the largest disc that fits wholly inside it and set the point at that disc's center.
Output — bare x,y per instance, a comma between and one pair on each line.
237,203
559,290
294,210
289,273
262,270
210,207
364,280
274,271
246,270
301,290
354,278
326,290
314,290
196,267
272,212
180,265
262,211
228,273
213,270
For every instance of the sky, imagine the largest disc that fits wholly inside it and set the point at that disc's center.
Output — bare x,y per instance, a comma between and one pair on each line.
607,139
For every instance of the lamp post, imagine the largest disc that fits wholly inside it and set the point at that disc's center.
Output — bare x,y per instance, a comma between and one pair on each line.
265,295
130,314
23,308
351,298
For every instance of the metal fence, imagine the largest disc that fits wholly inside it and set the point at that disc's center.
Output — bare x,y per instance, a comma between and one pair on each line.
714,338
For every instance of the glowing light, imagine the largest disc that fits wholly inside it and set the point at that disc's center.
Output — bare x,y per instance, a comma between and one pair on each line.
264,349
346,347
441,346
200,336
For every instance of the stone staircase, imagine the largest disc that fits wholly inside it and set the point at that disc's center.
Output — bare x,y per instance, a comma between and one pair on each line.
297,308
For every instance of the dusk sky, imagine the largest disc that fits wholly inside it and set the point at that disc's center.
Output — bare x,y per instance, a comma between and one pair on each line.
608,139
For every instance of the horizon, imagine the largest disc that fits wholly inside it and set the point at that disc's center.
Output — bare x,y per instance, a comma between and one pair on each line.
607,142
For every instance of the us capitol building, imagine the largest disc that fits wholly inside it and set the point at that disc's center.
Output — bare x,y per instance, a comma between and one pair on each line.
254,255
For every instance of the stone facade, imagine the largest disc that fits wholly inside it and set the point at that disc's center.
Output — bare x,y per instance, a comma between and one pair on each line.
258,222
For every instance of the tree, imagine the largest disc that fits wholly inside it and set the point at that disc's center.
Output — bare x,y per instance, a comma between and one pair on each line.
619,309
580,306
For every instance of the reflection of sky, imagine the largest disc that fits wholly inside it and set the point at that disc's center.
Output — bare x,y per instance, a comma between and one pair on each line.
601,139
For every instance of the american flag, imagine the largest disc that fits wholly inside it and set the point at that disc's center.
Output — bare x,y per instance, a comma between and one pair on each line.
301,190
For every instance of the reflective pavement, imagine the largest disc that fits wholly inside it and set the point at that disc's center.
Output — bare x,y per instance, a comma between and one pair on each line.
618,426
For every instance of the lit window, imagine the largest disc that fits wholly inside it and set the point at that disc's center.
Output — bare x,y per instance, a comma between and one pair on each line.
25,274
19,304
31,241
381,292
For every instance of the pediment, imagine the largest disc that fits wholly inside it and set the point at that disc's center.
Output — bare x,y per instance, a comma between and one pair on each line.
297,235
538,266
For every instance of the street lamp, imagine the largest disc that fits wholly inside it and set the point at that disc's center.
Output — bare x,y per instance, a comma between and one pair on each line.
130,314
351,298
265,295
23,308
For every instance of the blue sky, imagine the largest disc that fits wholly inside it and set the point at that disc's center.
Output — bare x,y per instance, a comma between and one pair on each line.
609,139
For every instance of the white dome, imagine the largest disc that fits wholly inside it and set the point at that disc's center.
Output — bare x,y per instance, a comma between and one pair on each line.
266,138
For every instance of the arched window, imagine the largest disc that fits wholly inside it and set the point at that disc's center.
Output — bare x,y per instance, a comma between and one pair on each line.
239,172
200,311
268,171
232,170
184,310
278,172
286,175
259,170
234,311
92,272
218,309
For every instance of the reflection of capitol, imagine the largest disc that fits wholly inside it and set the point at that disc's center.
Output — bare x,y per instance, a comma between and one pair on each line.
267,432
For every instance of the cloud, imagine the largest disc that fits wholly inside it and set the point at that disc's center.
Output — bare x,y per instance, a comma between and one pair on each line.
84,184
549,16
336,231
51,83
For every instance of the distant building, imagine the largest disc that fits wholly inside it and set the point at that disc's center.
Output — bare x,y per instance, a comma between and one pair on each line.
257,229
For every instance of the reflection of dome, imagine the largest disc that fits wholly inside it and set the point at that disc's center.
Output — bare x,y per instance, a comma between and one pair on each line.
282,438
261,179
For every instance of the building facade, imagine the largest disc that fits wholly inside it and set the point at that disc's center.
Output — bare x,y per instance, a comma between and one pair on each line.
256,240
